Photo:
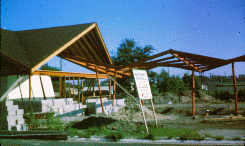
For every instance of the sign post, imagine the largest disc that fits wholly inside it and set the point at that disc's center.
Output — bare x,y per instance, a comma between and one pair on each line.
144,90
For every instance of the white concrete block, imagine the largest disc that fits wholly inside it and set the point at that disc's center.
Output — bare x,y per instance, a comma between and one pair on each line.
12,107
59,100
57,105
66,106
48,102
120,101
90,100
9,102
11,113
69,99
21,121
25,127
20,112
77,107
72,107
98,110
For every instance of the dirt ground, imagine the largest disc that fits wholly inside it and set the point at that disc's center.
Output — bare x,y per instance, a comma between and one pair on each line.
168,116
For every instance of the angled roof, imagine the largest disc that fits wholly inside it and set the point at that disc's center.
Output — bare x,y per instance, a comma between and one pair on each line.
172,58
23,52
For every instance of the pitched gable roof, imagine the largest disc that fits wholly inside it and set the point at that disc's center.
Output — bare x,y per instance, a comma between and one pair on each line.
30,49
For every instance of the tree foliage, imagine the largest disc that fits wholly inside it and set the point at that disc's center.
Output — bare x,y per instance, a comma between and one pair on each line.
128,52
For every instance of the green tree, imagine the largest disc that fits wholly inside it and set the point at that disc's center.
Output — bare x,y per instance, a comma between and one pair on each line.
48,67
163,81
128,52
187,79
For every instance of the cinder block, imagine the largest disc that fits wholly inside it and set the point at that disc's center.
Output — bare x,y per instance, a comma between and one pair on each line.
12,107
69,99
90,100
11,113
72,107
57,105
20,112
9,102
25,127
21,121
77,107
66,106
59,100
48,102
120,101
98,110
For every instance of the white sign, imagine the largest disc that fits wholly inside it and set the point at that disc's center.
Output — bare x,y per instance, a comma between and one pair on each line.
142,84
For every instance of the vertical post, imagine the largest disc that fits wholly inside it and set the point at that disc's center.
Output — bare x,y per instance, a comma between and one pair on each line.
154,112
235,92
93,87
110,88
29,87
83,98
60,87
78,89
143,103
193,93
97,75
73,87
144,117
65,86
69,87
114,89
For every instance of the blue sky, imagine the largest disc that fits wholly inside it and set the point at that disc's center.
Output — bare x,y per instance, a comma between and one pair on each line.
213,28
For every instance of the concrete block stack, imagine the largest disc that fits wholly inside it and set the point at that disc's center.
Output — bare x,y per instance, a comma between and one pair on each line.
12,117
65,107
94,105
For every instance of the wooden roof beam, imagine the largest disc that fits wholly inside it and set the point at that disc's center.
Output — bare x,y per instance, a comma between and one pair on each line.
70,74
187,62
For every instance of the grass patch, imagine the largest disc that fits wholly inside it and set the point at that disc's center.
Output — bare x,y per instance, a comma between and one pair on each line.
115,136
208,135
187,134
219,137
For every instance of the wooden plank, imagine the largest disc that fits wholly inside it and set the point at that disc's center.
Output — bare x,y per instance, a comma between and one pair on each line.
187,62
70,74
102,41
103,110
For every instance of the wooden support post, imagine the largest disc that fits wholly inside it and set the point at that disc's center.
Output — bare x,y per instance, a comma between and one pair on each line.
153,110
110,88
83,98
143,103
235,92
144,116
97,74
93,87
65,86
193,93
29,87
114,89
78,89
60,87
73,88
69,87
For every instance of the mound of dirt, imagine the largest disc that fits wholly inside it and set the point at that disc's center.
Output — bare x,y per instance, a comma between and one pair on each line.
93,121
108,122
